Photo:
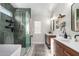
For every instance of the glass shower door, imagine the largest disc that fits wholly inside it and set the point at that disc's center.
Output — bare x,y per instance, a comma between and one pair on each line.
28,39
27,34
22,17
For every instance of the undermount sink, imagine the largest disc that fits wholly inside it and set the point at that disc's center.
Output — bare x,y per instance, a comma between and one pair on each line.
69,41
64,39
74,42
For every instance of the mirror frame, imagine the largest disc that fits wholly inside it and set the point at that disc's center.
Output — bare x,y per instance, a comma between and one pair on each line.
73,17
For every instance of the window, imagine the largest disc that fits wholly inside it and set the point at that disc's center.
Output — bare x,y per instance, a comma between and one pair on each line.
5,11
37,27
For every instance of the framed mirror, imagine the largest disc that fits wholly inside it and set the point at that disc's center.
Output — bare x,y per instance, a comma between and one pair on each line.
75,17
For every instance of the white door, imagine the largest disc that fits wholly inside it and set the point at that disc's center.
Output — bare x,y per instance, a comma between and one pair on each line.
36,32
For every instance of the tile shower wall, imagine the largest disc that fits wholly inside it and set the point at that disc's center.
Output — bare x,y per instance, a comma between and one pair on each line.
6,36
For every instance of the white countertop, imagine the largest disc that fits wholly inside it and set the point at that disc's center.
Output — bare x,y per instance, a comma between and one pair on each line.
69,42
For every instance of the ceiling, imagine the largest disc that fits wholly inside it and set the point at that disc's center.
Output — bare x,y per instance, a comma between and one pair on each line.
38,10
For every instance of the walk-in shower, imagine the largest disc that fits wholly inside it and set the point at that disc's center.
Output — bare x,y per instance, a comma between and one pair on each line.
14,26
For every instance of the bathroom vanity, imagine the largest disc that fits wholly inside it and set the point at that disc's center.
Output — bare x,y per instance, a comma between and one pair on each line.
65,47
48,37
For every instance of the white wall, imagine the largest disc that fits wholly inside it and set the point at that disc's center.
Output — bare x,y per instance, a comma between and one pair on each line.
39,38
65,8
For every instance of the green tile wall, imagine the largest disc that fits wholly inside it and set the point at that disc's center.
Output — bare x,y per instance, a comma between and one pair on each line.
6,36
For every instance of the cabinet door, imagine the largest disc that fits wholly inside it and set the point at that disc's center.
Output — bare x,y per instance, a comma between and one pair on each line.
70,52
66,53
59,50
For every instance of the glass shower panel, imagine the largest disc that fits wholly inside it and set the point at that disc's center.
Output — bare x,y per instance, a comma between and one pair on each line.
28,40
22,35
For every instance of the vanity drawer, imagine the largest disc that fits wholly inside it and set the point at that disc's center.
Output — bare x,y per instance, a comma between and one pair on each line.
58,48
58,43
70,52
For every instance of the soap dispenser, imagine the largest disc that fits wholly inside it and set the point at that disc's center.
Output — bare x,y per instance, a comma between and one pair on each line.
65,35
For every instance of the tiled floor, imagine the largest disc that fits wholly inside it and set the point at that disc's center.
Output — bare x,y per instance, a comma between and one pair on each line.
39,50
46,53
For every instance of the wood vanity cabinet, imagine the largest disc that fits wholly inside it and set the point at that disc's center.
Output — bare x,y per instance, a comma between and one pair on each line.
48,39
58,48
63,50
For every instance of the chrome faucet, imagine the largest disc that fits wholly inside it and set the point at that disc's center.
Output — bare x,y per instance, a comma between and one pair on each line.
75,38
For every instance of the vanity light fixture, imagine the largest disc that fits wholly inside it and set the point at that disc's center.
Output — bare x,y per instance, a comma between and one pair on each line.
61,16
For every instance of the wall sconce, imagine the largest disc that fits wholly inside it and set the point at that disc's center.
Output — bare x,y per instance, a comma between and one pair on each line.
53,18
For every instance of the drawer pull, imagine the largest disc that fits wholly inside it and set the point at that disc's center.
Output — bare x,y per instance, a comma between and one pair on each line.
66,53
